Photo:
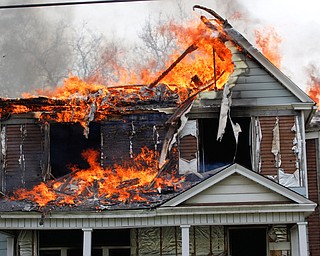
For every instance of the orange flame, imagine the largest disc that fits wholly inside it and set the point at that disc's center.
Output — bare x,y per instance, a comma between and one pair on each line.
313,89
84,101
269,42
121,183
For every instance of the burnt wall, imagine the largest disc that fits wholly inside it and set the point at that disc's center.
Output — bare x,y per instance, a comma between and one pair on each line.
22,155
124,138
288,158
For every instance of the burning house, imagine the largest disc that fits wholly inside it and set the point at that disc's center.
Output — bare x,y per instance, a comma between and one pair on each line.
221,163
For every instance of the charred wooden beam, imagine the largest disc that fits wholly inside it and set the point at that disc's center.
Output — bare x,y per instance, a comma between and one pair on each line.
128,183
190,49
212,12
162,169
65,184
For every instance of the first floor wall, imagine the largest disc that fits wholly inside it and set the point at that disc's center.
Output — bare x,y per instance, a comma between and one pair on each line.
268,240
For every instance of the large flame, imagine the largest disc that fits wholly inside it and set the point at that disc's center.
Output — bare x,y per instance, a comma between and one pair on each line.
121,183
208,64
313,88
82,101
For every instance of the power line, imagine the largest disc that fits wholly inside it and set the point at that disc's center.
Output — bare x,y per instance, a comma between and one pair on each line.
52,4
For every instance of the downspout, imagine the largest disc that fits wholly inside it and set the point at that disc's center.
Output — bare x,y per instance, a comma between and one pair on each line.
303,132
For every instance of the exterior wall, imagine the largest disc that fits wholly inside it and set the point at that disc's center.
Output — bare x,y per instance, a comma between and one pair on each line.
22,155
258,87
204,240
123,138
313,191
236,189
288,158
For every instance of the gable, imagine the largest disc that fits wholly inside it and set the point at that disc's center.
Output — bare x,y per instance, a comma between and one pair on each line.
236,184
236,189
258,87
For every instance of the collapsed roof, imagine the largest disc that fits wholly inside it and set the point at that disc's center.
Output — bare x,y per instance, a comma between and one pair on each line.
88,103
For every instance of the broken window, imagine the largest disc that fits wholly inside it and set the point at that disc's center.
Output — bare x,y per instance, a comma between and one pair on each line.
67,143
214,153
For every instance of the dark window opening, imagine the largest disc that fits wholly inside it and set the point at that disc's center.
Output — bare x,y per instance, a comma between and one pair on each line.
119,252
119,237
104,242
60,238
50,253
214,154
248,242
67,143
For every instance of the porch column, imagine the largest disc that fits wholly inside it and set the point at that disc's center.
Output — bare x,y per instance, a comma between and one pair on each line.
10,246
185,239
302,238
87,240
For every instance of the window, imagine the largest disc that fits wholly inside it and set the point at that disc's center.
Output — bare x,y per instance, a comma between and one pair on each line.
214,154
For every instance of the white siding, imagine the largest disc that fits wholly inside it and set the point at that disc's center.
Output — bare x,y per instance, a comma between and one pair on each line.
258,87
236,189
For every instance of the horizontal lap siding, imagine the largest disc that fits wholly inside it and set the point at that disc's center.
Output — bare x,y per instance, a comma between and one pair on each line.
24,155
313,219
288,158
188,147
258,87
236,189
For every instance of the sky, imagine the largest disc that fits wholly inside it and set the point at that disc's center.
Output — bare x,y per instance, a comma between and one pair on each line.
296,22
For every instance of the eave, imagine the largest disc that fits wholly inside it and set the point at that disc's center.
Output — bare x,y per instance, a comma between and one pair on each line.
171,216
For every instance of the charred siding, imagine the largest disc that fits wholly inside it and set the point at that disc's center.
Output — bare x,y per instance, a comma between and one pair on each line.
288,158
313,219
124,138
23,159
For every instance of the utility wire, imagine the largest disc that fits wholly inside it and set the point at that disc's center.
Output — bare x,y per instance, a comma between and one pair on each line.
52,4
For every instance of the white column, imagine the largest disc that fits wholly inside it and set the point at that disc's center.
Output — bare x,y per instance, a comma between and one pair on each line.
185,239
10,246
302,236
87,240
